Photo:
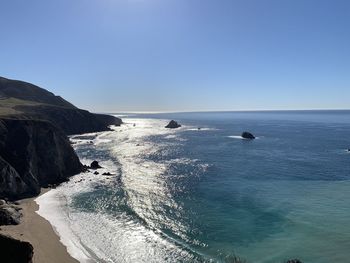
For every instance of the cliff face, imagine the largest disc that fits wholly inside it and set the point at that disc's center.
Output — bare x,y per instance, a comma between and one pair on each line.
34,148
33,154
70,120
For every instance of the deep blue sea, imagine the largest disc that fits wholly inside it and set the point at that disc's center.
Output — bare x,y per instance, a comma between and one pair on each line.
189,195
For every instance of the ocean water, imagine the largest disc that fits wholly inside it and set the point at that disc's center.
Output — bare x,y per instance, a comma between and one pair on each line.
189,195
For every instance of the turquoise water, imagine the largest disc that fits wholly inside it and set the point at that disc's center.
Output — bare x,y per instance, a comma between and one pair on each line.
191,195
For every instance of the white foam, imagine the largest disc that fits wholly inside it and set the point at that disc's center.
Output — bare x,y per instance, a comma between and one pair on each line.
239,137
202,129
121,115
122,239
236,137
52,206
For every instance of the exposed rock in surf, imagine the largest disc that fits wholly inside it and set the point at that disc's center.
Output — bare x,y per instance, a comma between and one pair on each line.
294,261
247,135
107,173
173,125
95,165
96,173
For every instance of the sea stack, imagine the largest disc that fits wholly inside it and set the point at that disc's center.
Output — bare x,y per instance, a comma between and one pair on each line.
95,165
248,135
173,125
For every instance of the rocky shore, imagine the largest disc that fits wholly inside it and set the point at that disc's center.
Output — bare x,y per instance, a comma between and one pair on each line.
35,151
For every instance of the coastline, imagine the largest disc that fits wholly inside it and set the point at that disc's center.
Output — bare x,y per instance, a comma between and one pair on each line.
40,233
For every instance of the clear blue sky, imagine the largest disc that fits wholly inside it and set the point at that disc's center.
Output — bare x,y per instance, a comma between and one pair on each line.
171,55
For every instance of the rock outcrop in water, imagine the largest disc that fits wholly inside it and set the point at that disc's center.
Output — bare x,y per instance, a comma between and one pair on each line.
173,125
95,165
247,135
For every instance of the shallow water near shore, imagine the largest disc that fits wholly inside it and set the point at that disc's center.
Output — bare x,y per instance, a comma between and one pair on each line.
189,195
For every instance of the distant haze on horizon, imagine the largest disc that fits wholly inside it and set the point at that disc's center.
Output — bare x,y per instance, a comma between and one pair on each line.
181,55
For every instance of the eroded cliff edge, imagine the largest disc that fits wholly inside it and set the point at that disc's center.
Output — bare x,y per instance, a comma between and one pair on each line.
34,148
33,154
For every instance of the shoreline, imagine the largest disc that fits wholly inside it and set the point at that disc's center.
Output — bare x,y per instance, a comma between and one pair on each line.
39,233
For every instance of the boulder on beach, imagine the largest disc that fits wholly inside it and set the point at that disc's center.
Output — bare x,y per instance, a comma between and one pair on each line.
95,165
172,125
10,214
247,135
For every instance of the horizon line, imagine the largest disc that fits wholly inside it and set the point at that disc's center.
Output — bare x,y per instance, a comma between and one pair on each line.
220,111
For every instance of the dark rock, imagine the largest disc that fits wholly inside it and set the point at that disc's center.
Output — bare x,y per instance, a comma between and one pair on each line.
173,125
27,91
34,149
107,173
33,154
96,173
247,135
13,250
293,261
95,165
38,103
10,215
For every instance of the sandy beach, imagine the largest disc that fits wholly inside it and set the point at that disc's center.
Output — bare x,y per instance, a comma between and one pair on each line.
39,232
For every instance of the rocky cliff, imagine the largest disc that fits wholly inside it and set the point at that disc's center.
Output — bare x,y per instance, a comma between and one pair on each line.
33,154
70,120
22,100
34,149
